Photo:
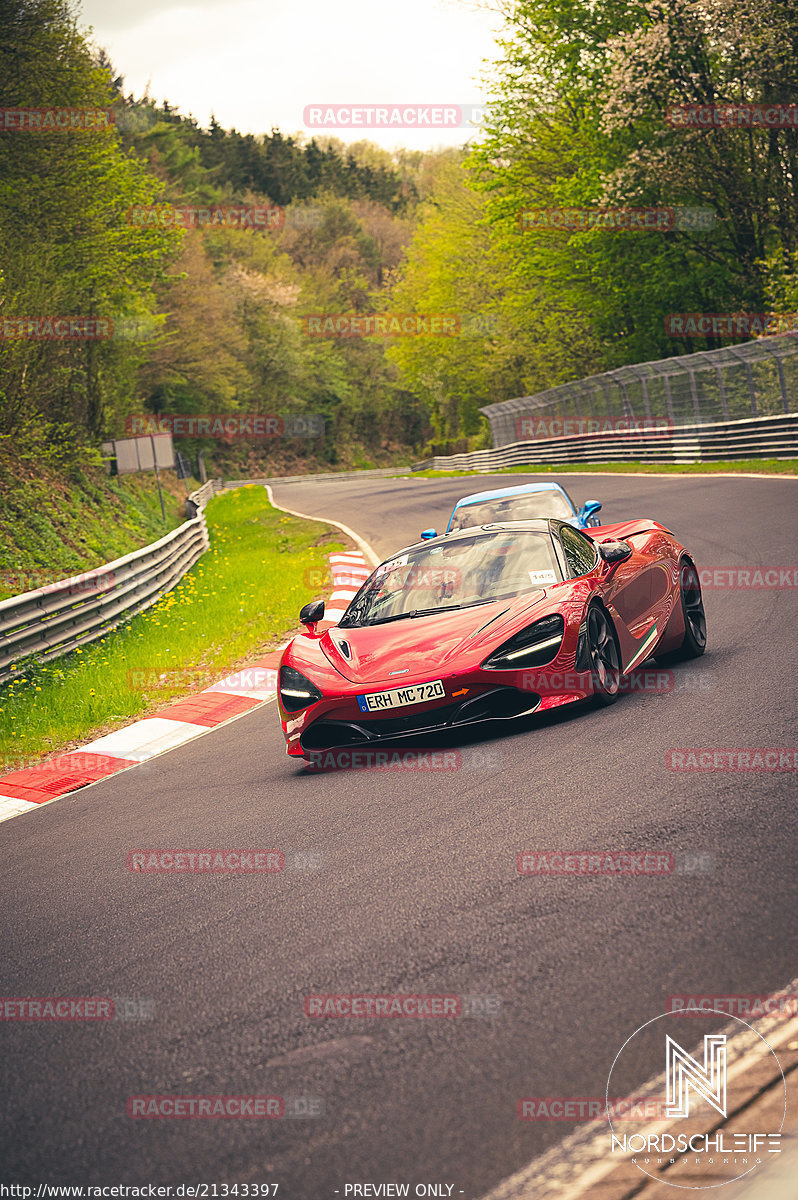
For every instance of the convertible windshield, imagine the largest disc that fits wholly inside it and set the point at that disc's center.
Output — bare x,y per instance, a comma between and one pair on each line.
513,508
456,574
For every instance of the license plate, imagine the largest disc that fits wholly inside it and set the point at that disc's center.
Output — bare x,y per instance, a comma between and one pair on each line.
415,693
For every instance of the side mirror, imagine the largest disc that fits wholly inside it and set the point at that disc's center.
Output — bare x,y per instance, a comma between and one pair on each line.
614,552
311,614
426,534
589,508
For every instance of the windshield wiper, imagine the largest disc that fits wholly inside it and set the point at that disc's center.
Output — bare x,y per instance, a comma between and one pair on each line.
427,612
385,620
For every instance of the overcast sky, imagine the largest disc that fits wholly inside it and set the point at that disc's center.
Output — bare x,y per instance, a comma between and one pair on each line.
259,63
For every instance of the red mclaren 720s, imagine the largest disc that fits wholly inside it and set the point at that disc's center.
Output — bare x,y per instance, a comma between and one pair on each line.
489,624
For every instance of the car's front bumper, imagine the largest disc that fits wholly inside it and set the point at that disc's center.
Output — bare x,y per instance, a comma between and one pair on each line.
482,695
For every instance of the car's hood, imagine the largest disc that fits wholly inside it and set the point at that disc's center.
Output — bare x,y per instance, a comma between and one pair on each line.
426,646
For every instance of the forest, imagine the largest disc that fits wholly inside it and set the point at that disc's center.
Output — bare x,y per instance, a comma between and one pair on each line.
151,266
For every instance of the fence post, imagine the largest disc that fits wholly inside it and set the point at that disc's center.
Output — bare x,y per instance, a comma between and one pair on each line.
694,394
782,382
722,388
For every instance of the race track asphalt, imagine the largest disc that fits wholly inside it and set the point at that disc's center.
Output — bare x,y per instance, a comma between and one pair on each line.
416,892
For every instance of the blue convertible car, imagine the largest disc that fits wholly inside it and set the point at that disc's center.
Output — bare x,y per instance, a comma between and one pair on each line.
523,503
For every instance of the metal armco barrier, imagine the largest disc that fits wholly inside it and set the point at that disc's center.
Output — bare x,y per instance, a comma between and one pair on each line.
759,437
204,493
55,619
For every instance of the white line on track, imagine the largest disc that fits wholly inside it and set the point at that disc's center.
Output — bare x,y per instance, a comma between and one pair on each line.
369,554
11,807
202,731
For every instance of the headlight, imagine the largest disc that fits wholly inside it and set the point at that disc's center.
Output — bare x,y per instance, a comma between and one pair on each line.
296,692
534,646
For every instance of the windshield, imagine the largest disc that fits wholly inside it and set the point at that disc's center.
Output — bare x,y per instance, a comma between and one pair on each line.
455,574
513,508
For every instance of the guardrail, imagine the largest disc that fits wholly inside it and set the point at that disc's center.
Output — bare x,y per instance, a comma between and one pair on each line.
747,380
55,619
203,494
759,437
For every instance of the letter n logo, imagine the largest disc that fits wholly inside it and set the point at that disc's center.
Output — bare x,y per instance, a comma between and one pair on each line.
683,1072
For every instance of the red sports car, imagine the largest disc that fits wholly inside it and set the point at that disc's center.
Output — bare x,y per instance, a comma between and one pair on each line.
489,624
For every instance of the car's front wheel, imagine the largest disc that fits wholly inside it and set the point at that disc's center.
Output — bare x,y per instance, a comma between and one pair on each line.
605,659
694,642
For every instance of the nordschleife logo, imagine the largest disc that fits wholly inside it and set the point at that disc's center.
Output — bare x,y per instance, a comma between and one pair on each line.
707,1136
683,1073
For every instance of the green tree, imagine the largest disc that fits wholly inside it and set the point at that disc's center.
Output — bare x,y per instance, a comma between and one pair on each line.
65,243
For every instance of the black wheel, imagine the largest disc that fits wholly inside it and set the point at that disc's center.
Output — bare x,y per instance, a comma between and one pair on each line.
605,660
695,622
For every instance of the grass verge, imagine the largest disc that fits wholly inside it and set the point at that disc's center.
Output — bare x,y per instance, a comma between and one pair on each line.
753,466
238,601
73,524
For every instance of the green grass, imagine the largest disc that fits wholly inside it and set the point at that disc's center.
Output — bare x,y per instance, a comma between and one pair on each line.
753,466
52,528
239,600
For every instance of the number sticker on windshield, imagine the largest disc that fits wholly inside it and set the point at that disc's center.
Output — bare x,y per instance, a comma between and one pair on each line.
392,565
542,577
